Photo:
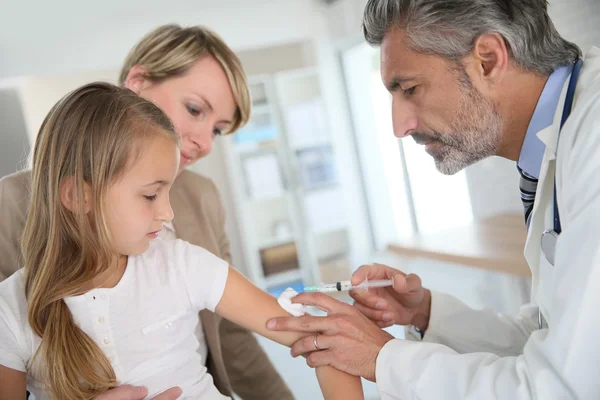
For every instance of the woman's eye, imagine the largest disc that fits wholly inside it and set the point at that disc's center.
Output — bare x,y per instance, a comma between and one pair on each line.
151,198
217,132
193,110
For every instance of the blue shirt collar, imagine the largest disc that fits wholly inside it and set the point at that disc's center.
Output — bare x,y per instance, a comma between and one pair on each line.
532,152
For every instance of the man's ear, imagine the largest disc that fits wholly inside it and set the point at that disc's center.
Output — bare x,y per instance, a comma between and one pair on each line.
137,79
70,198
490,58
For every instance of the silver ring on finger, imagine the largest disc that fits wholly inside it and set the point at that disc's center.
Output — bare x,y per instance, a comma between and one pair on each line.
315,342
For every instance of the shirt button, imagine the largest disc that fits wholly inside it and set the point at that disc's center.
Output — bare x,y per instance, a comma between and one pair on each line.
106,340
168,325
103,297
101,320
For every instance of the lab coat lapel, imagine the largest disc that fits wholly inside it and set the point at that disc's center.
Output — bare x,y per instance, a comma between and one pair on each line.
544,197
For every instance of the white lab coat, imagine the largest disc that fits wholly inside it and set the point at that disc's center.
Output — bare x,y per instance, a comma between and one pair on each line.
477,354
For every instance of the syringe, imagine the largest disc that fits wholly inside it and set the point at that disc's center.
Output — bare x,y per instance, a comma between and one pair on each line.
346,285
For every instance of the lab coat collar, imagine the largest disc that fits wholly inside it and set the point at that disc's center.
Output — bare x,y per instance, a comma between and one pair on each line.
549,136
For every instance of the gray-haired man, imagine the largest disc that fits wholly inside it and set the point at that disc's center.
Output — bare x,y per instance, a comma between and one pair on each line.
471,79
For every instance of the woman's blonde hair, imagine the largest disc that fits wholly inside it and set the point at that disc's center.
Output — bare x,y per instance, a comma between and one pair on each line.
89,138
170,50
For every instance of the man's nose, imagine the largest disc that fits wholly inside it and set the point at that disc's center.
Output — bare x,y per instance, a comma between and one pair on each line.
404,120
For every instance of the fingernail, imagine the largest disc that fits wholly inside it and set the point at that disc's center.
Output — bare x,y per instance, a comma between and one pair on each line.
271,324
380,305
387,316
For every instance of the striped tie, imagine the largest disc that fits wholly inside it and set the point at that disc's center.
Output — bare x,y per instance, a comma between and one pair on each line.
527,186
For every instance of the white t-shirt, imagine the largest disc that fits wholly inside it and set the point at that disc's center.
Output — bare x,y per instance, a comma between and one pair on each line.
145,324
168,233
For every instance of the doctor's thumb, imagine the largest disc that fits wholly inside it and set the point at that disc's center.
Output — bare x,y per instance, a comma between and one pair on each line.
405,284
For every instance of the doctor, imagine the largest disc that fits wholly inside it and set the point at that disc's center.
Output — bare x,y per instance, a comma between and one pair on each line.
471,79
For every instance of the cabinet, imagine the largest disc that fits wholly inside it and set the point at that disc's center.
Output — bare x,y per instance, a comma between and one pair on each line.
286,186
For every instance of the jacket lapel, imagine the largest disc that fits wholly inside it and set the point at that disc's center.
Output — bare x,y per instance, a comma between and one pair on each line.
544,200
186,227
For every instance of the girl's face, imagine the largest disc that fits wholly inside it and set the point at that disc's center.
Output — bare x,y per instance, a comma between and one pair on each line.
138,203
200,104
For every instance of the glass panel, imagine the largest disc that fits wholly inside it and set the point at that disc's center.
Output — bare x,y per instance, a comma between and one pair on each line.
440,201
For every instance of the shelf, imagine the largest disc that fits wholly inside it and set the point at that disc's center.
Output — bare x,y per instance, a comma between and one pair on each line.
331,231
275,242
254,202
331,245
324,141
261,108
299,73
321,186
254,148
334,258
283,277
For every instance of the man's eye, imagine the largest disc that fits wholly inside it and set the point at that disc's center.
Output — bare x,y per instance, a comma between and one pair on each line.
410,91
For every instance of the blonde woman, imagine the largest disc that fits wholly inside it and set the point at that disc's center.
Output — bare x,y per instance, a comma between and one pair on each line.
193,76
102,300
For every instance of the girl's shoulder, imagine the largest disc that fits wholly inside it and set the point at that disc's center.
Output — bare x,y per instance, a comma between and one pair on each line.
173,252
165,259
162,252
176,259
15,331
12,294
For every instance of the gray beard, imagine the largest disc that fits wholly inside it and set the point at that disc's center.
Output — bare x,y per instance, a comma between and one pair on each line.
474,134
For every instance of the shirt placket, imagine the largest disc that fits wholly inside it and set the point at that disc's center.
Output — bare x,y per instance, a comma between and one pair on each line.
99,306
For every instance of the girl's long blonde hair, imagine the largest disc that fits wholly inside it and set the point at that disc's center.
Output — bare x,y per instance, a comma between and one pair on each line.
89,137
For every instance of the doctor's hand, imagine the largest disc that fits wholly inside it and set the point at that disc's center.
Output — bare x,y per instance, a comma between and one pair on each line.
405,303
128,392
344,339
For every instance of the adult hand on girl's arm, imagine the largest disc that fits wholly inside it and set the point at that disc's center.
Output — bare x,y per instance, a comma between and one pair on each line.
13,387
250,307
347,339
12,384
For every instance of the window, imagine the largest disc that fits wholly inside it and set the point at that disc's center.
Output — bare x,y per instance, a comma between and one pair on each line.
405,192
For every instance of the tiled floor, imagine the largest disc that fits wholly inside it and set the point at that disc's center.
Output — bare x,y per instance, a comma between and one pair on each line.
475,287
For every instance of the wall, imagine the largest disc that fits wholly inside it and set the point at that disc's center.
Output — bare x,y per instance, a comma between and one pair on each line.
14,145
38,94
92,36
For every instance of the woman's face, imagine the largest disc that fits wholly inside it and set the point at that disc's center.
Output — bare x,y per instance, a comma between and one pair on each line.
200,104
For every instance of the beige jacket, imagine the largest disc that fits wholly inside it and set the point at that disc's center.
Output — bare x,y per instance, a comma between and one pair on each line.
236,361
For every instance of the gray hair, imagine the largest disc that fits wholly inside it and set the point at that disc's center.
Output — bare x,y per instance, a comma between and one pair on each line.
450,28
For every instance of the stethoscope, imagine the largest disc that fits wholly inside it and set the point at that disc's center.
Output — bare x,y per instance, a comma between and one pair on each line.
550,237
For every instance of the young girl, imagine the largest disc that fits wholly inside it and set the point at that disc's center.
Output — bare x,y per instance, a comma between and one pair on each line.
100,302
